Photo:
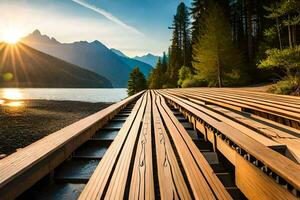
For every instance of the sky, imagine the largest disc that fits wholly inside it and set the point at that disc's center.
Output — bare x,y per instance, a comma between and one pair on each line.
136,27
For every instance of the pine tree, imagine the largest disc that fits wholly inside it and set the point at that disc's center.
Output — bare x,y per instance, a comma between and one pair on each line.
216,59
176,60
136,82
185,73
290,9
156,79
274,13
184,28
198,12
164,63
180,51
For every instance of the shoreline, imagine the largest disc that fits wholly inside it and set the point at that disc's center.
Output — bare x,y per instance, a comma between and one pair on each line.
30,120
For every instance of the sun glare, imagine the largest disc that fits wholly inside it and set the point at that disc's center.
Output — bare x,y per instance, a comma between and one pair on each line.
12,94
11,36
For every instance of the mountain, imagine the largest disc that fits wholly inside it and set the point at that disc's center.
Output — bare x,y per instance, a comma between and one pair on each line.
149,59
23,66
132,63
144,68
93,56
118,52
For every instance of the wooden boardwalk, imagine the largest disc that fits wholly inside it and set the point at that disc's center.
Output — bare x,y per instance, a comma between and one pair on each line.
199,143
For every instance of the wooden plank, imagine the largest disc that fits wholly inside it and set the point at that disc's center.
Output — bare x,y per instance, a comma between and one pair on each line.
142,184
22,169
273,132
232,104
102,174
171,180
281,165
200,187
203,166
262,100
255,184
258,137
117,184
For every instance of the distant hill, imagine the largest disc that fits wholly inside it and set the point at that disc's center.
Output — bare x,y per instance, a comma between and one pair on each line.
93,56
149,59
23,66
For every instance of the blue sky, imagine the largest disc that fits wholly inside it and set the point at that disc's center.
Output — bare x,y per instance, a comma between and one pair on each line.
135,27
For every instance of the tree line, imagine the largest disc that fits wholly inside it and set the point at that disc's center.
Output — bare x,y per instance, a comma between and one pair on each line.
221,43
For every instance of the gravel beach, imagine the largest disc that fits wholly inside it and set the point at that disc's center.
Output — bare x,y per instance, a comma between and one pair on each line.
25,122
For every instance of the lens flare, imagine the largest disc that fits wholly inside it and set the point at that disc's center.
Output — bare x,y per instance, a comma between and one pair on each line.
11,36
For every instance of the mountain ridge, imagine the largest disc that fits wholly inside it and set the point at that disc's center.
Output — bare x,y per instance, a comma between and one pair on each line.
23,66
93,56
148,58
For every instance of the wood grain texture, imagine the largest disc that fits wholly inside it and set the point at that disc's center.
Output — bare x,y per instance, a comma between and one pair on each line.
171,180
256,185
101,176
286,168
142,183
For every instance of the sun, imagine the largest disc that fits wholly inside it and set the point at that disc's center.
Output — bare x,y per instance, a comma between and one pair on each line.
11,36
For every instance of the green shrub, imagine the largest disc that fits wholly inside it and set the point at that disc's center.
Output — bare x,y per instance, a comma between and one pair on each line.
195,81
287,86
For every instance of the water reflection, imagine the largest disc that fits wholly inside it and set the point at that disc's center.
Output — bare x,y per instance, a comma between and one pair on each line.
12,94
15,104
11,98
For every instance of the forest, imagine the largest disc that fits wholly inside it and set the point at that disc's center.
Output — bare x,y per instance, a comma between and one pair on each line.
230,43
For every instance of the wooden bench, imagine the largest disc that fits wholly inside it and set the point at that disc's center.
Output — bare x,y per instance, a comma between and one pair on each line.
22,169
236,145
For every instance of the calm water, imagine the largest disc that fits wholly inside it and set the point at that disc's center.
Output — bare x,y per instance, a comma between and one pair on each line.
86,95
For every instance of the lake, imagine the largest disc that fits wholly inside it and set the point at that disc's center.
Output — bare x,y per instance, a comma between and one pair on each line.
86,95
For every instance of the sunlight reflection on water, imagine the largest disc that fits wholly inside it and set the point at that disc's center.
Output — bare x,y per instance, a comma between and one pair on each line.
15,103
65,94
12,94
11,98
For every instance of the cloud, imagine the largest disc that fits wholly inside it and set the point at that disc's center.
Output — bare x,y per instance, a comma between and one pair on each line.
108,15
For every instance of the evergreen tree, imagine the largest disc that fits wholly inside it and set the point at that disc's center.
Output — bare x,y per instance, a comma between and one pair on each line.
216,59
274,13
136,82
197,12
290,9
175,55
184,28
157,77
164,63
180,51
185,73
